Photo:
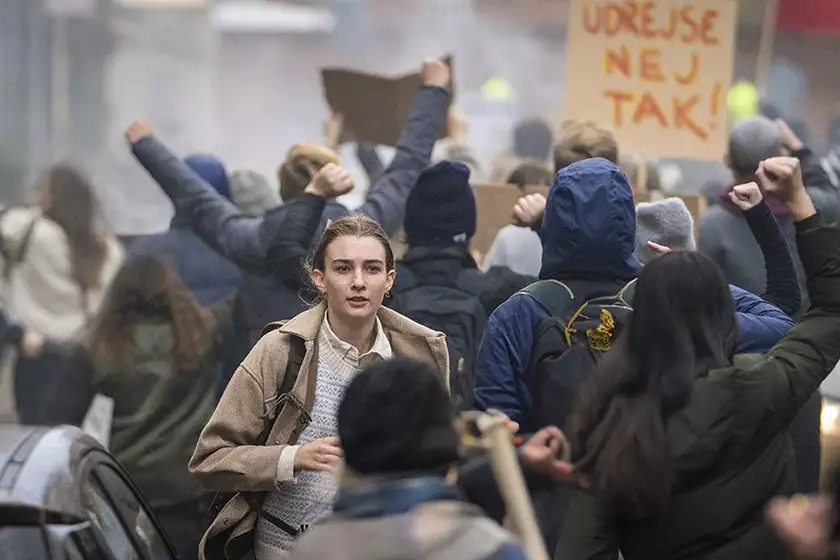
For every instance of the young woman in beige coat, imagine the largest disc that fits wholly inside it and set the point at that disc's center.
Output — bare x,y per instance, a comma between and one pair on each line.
289,482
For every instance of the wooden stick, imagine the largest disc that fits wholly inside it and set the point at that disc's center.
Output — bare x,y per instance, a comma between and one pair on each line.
764,60
520,510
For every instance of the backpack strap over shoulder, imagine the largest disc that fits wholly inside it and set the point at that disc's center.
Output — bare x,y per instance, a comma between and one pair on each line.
555,296
627,293
13,258
297,351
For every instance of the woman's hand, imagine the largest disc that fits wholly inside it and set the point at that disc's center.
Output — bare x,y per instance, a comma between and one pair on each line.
804,524
319,455
746,196
547,453
782,176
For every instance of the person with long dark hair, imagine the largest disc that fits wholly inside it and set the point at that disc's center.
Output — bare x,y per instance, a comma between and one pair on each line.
680,442
153,350
57,259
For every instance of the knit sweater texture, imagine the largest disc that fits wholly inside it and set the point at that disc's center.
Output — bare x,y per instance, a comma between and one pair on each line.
308,497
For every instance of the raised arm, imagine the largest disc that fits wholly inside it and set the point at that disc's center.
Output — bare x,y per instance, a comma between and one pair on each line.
782,282
214,218
782,383
386,201
290,245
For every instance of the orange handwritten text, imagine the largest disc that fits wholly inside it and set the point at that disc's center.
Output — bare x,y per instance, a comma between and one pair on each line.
691,76
645,108
687,24
650,65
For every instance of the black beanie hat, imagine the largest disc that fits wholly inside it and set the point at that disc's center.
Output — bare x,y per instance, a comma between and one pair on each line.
396,417
441,206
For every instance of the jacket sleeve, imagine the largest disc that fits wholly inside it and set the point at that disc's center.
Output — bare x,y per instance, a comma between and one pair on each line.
371,162
813,174
782,282
386,202
503,360
227,457
214,218
290,246
777,387
760,323
587,534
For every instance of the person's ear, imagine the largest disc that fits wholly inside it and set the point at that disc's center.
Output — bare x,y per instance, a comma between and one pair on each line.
727,161
392,276
317,277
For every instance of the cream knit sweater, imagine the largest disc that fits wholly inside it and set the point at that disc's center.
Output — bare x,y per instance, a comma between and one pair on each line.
305,497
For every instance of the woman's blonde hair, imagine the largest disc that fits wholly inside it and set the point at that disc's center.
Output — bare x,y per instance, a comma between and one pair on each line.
301,163
354,225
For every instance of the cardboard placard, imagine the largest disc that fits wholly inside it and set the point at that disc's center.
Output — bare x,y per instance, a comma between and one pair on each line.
655,72
375,108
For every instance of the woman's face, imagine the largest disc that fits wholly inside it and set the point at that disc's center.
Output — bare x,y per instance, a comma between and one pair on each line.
355,277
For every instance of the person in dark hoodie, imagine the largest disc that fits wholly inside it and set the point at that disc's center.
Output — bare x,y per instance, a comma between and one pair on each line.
682,442
588,236
209,276
438,283
244,240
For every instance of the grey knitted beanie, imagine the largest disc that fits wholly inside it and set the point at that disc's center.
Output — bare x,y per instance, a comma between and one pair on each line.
667,222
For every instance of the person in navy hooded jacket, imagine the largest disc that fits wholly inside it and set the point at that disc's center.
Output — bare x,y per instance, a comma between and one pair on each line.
589,239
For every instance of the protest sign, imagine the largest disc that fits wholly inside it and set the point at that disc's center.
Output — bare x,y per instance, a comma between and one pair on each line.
654,72
375,108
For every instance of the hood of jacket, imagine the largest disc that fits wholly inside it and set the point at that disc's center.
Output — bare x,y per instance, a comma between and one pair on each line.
212,170
589,225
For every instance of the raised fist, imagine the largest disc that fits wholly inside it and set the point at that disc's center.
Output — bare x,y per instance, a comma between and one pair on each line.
435,72
782,176
528,210
746,196
138,130
331,181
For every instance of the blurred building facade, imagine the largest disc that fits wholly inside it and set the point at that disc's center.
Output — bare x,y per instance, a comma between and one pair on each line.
73,73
